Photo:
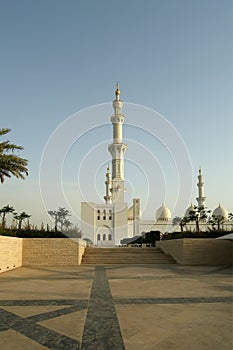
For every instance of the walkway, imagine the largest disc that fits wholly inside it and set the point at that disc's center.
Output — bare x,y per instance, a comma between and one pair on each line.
151,307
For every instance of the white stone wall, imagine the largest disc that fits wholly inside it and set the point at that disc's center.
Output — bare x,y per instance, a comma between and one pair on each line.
88,220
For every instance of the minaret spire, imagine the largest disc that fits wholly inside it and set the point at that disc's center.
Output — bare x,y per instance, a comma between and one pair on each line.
201,197
117,149
117,92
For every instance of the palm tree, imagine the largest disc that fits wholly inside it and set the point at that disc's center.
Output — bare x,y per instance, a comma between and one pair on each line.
180,221
197,214
5,210
11,164
20,217
216,220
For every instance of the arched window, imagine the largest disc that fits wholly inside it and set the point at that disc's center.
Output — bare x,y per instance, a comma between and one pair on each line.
98,237
104,237
109,237
104,217
110,215
98,214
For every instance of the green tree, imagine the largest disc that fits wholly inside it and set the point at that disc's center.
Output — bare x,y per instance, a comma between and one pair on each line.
54,215
4,211
60,216
67,224
74,232
20,217
11,164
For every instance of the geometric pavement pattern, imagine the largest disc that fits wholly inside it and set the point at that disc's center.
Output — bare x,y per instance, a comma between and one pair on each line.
101,328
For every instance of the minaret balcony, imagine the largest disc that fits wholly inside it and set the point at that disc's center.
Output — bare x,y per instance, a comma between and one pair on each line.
117,150
117,119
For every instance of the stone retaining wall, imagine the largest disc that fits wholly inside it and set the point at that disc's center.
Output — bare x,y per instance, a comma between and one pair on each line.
10,253
203,251
52,252
17,252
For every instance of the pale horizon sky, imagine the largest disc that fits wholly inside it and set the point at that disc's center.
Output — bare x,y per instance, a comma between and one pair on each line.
173,60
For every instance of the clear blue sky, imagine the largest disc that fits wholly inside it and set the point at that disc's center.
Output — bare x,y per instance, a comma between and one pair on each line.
172,56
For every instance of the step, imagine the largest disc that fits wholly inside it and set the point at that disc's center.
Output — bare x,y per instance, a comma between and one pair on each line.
122,255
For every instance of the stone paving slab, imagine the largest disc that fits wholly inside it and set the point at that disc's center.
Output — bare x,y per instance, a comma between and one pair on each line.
151,307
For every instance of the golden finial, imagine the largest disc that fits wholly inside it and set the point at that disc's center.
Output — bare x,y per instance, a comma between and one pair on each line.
117,92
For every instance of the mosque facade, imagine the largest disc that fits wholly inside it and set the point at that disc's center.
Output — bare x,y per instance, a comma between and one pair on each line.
106,224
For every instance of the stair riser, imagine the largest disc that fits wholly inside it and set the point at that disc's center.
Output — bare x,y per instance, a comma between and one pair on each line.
130,256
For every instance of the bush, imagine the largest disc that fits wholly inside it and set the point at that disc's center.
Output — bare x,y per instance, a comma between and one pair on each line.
28,233
188,234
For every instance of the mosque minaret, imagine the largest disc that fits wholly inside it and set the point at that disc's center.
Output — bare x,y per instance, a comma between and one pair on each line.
117,150
109,223
201,197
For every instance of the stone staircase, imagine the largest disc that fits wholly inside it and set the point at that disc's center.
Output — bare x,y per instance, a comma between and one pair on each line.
125,255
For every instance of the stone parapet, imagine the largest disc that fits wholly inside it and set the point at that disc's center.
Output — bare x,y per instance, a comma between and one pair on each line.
10,253
203,251
52,252
17,252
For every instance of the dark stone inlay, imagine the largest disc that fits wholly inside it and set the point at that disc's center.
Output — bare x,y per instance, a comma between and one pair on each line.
101,330
3,328
56,313
41,335
45,302
224,269
178,300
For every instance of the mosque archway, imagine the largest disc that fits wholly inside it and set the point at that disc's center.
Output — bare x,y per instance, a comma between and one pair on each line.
104,236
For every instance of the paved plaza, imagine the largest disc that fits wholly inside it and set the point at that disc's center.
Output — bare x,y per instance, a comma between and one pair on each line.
151,307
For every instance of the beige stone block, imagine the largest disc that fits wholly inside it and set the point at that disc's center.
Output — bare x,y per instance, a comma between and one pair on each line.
70,325
13,340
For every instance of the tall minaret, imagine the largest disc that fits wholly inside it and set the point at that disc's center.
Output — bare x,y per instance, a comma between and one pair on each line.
117,150
201,198
108,183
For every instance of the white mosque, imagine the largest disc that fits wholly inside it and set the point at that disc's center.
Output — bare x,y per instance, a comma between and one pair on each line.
106,224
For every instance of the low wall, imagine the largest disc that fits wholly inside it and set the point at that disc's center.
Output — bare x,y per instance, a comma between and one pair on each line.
203,251
10,253
52,251
17,252
172,247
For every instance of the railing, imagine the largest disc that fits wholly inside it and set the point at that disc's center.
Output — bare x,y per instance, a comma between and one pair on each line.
137,245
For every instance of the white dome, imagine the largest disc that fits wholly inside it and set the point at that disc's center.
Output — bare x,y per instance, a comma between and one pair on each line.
163,213
220,212
190,209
